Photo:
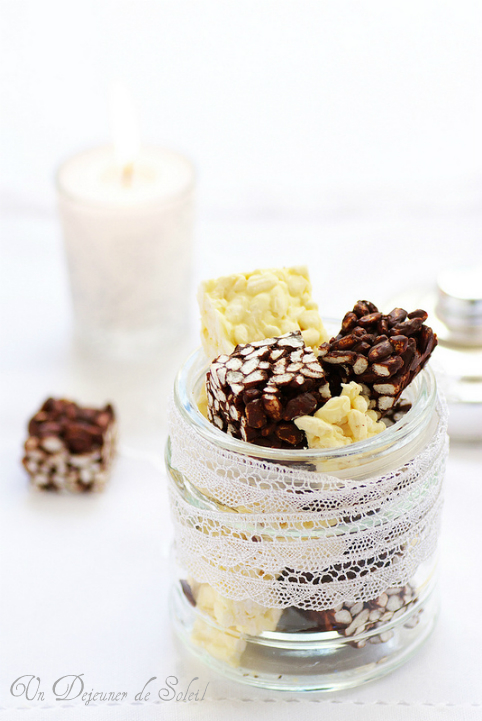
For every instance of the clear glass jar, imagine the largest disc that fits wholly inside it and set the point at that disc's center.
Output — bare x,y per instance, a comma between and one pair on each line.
305,569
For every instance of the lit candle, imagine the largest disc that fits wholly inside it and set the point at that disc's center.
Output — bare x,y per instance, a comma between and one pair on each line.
125,131
126,214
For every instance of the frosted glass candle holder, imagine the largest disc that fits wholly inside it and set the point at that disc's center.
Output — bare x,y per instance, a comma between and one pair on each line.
128,244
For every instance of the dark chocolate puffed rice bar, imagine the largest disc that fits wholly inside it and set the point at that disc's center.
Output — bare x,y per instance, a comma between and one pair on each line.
256,392
353,619
69,447
382,352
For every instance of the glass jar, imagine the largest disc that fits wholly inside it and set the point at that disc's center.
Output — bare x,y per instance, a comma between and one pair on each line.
305,569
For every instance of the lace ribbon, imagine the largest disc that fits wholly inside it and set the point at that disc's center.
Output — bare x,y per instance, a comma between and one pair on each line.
284,536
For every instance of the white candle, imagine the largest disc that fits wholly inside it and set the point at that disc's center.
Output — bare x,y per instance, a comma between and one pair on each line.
128,231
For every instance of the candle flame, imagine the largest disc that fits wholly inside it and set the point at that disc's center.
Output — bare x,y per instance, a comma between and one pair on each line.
124,129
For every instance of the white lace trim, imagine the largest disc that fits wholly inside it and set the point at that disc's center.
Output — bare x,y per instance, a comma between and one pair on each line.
294,537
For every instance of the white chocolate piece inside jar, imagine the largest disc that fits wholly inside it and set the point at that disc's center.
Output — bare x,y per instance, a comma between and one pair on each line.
343,420
237,617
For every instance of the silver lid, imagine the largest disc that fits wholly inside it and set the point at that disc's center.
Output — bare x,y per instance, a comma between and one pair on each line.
459,301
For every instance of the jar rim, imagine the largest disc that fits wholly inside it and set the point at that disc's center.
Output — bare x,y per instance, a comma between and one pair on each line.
422,392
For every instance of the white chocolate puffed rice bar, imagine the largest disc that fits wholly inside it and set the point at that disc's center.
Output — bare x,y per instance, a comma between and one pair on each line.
247,307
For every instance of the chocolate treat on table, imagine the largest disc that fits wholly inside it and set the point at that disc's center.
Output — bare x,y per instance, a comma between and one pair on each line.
256,392
70,447
382,352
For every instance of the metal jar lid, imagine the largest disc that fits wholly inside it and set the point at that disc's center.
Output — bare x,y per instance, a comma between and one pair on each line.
459,303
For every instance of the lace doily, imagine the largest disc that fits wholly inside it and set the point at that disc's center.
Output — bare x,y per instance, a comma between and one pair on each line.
284,536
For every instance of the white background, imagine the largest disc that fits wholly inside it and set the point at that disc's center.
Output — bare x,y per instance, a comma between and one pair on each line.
329,120
346,135
283,105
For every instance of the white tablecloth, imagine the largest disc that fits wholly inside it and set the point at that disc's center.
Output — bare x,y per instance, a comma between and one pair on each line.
85,580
